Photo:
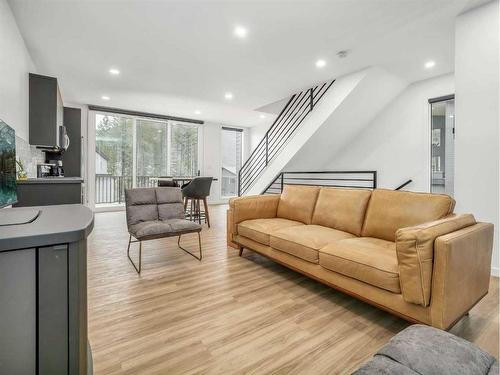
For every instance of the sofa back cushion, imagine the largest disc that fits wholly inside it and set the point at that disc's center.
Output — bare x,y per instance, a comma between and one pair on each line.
391,210
169,200
140,205
342,209
297,203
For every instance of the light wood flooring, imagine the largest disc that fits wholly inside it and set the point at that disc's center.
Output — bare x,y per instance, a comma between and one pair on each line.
231,315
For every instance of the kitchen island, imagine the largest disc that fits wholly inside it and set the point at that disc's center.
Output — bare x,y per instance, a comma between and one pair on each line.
43,291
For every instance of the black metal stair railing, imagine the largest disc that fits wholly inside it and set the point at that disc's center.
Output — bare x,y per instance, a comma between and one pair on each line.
340,179
285,125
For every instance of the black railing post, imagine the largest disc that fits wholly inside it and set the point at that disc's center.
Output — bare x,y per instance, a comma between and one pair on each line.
311,97
267,149
282,177
239,182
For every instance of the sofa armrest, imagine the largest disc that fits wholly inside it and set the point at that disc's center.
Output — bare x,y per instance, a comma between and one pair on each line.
251,207
415,252
461,275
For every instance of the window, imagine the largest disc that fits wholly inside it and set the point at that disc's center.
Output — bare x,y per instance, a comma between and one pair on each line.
183,150
442,144
133,151
231,160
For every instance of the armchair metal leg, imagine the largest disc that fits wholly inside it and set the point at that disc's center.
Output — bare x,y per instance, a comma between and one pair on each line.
140,254
190,253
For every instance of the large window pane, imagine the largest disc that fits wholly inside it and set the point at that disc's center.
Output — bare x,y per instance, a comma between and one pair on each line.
151,151
114,162
133,151
231,161
184,150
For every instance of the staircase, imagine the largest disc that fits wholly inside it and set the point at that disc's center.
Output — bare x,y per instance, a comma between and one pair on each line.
283,128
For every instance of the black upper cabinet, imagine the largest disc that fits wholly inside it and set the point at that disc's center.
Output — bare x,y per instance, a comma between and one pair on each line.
45,110
72,157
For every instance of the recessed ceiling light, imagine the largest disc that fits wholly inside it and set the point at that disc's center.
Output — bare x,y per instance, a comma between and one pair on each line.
240,32
430,64
197,112
320,63
105,97
262,116
228,95
114,71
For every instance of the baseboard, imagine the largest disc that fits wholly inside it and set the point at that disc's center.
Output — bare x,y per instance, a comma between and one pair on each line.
495,271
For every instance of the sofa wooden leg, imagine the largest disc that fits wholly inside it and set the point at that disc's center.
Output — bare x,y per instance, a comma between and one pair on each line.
241,250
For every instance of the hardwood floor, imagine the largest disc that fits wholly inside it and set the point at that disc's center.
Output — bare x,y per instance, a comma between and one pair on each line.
231,315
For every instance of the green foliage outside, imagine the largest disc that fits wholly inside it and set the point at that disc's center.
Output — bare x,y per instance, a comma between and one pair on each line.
114,142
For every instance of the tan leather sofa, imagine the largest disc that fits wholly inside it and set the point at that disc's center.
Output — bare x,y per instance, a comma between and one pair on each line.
404,252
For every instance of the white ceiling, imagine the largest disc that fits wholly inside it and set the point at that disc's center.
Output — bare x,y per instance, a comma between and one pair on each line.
176,57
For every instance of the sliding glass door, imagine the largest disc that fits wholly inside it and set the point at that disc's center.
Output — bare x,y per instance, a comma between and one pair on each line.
134,152
232,139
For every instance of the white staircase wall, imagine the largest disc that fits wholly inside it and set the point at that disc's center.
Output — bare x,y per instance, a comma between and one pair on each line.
396,143
350,104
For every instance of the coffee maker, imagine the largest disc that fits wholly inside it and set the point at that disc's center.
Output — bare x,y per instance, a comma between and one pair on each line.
53,166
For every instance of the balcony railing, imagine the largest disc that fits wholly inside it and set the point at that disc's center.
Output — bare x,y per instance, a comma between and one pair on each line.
111,189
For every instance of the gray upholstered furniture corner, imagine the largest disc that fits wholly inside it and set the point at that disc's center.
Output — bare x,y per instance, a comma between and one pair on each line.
423,350
154,213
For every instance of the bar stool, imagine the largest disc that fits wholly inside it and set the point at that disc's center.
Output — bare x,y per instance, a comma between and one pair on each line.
197,190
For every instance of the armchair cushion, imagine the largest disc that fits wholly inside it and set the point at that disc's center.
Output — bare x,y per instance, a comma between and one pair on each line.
260,229
366,259
305,241
140,205
170,204
149,229
390,210
297,203
415,252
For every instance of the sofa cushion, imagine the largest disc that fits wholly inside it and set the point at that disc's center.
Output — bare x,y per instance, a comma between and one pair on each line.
370,260
342,209
305,241
390,210
297,203
259,229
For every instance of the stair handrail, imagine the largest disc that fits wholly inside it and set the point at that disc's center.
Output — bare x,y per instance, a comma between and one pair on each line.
404,184
283,127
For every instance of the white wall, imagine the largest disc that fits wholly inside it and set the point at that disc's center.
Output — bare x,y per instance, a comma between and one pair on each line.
477,115
336,118
15,64
211,160
397,142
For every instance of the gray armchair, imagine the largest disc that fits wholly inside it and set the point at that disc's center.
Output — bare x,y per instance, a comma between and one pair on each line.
157,213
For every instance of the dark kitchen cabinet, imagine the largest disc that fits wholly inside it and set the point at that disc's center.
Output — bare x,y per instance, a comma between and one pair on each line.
43,294
72,157
53,309
45,111
18,312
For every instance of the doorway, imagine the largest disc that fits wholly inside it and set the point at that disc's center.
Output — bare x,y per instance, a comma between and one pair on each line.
442,144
